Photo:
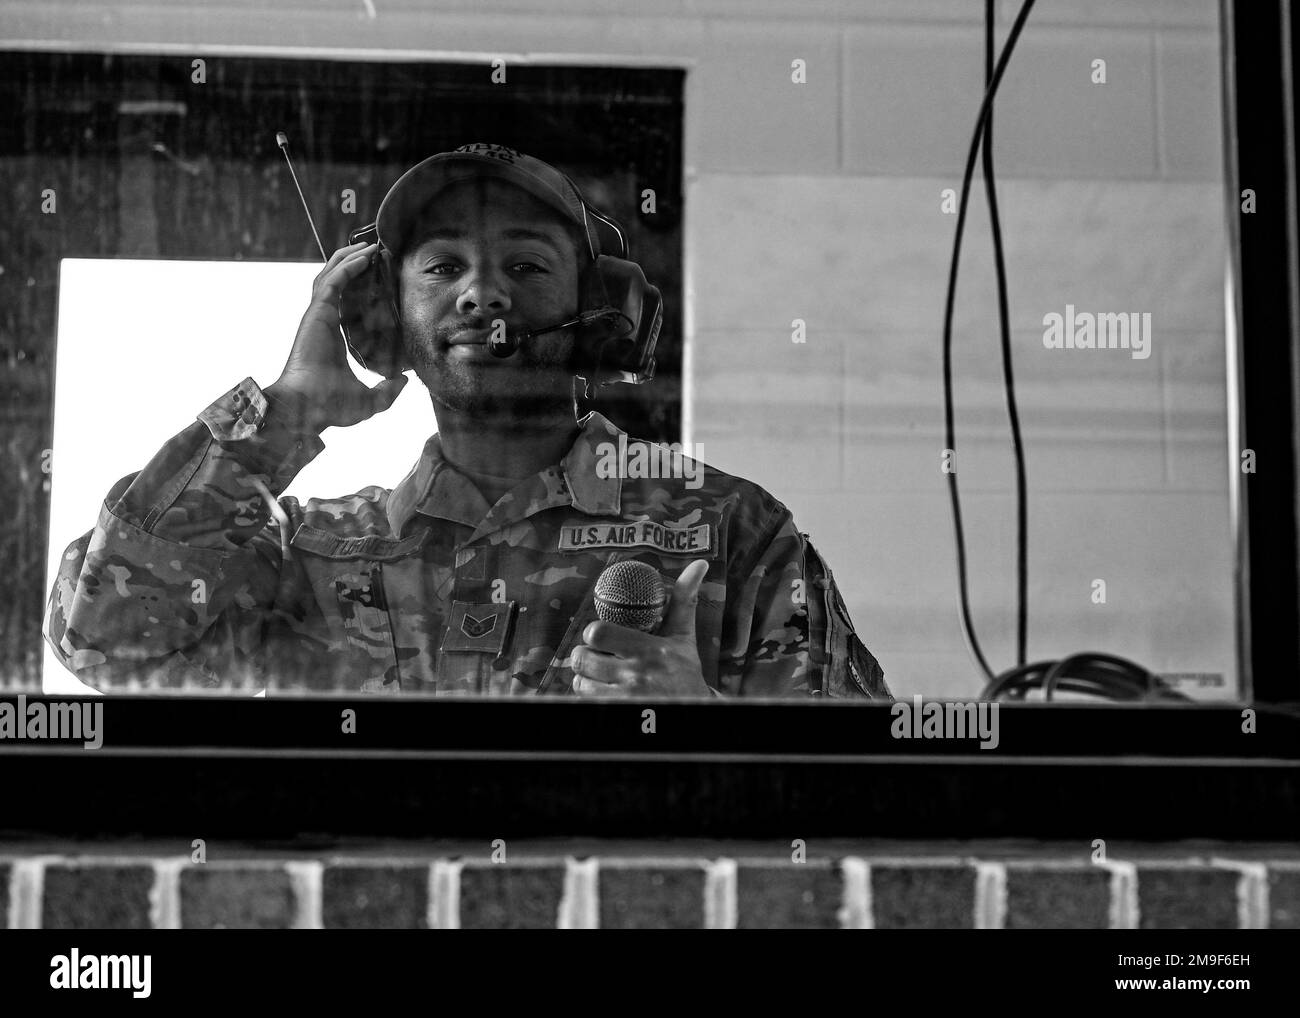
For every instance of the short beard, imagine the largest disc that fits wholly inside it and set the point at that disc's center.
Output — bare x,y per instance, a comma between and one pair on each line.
542,376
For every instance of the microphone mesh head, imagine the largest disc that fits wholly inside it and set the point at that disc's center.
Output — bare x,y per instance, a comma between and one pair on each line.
631,594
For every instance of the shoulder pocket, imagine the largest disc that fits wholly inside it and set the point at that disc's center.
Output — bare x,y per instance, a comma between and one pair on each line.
844,665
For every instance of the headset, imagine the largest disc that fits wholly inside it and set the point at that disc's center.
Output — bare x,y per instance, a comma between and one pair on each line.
617,324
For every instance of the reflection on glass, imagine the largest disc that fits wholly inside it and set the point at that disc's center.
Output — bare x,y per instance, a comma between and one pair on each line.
489,500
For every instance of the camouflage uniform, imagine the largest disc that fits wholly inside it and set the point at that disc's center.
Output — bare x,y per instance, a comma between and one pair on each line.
199,574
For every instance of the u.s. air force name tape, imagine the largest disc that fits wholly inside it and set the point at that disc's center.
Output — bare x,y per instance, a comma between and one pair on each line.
696,540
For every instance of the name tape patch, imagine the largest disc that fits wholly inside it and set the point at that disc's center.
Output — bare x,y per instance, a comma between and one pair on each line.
671,540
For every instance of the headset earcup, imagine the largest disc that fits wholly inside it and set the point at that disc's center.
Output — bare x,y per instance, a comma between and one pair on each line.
593,293
368,314
622,348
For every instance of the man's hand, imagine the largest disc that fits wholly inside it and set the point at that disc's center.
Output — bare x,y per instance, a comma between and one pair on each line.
618,661
316,380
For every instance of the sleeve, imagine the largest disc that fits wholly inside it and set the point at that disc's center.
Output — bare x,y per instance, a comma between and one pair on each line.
171,585
842,664
791,634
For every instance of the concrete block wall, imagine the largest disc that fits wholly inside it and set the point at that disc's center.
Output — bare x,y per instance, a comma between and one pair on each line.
822,201
1111,198
630,886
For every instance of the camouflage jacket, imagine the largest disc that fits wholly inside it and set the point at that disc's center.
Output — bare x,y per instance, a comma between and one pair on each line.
198,572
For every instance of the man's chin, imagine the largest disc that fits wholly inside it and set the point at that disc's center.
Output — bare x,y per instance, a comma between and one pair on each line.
489,389
518,410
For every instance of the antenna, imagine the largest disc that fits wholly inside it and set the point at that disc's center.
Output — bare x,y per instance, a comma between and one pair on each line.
282,140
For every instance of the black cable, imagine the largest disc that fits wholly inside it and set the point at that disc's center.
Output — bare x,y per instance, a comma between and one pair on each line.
968,630
1105,664
1008,377
1022,676
1089,673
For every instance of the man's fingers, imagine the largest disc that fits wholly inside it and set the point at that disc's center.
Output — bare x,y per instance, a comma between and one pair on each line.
350,265
385,394
339,255
357,403
337,274
585,686
348,249
680,621
611,638
603,668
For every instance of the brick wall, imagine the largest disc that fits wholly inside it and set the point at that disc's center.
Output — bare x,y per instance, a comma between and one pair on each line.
821,201
650,885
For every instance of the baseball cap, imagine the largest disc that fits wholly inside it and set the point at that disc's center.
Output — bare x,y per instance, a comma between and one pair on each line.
422,183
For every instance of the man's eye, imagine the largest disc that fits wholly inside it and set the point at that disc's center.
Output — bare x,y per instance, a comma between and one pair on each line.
529,267
442,268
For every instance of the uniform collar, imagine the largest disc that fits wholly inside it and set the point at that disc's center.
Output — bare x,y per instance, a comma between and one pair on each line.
584,478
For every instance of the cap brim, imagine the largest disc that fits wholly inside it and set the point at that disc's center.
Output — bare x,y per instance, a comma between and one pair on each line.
421,184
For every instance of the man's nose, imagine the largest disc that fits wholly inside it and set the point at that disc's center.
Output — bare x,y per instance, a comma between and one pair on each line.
485,291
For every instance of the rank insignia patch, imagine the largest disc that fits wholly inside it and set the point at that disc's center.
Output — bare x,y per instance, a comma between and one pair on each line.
476,628
480,628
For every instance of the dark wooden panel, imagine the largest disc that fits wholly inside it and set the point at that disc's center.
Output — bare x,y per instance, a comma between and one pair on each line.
281,770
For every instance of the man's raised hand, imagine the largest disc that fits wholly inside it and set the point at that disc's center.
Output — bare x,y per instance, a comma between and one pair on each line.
317,381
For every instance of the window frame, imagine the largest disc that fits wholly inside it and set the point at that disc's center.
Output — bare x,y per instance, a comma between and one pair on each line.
1260,102
283,770
286,771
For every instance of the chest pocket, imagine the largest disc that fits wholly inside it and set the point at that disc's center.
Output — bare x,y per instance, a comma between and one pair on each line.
347,575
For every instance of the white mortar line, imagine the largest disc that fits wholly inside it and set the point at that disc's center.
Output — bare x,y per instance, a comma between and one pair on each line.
1252,892
856,912
306,878
444,894
165,894
26,891
720,895
1123,909
990,895
580,904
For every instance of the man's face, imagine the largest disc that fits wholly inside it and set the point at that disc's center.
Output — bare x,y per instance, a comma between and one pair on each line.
485,250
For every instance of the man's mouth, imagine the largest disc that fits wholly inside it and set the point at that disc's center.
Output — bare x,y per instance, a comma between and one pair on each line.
469,337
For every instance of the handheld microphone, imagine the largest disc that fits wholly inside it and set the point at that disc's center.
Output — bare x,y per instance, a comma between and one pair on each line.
631,594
